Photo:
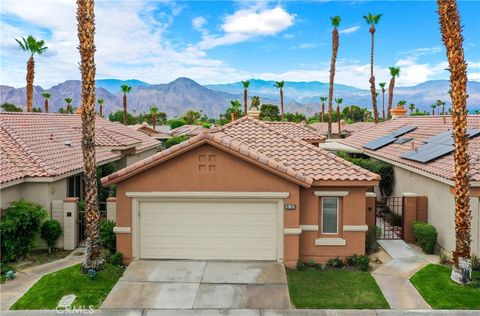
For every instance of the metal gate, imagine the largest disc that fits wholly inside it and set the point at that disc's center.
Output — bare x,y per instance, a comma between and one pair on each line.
389,217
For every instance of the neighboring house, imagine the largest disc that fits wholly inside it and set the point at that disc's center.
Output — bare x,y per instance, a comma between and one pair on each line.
345,129
154,133
42,160
187,130
299,131
245,191
423,164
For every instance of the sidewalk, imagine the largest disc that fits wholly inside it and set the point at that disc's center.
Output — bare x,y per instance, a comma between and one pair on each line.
12,290
393,278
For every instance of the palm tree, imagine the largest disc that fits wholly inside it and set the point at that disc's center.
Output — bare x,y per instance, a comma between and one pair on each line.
31,45
86,32
235,109
69,101
433,106
47,96
394,72
245,84
382,85
279,85
411,107
338,101
154,113
125,89
439,104
255,102
100,105
451,28
335,43
372,20
323,99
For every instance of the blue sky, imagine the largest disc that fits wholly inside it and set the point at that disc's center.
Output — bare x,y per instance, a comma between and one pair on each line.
226,41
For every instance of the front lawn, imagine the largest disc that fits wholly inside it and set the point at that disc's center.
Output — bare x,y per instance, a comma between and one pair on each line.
434,284
47,292
335,289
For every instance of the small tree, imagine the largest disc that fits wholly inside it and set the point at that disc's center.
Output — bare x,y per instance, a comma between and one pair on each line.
269,112
50,232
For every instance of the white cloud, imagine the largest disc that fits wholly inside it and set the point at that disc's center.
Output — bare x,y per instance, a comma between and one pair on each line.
305,46
245,24
349,30
199,22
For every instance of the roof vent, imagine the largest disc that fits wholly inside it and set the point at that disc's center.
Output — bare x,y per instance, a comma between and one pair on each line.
67,143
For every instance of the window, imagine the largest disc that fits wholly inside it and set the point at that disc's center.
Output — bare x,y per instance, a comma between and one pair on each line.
329,215
75,186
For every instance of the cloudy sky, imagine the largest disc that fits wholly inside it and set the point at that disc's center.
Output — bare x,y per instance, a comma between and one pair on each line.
227,41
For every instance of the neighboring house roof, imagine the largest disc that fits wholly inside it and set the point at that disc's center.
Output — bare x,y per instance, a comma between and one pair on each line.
298,131
426,127
49,144
257,142
146,129
187,130
322,128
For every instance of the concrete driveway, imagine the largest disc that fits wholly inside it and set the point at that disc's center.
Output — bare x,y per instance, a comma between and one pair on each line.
172,284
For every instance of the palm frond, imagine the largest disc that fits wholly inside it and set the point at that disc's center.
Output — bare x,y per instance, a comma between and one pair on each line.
335,20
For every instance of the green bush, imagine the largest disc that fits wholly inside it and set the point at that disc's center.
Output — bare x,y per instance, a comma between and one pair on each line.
50,231
301,266
4,267
359,261
475,262
176,122
371,244
336,262
108,237
426,235
20,222
175,140
116,259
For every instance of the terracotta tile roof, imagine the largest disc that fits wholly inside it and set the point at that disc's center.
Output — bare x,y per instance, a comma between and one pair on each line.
257,141
298,131
427,126
322,128
146,129
46,145
188,130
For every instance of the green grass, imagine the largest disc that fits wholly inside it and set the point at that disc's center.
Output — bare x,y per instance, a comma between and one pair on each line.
335,289
47,292
434,284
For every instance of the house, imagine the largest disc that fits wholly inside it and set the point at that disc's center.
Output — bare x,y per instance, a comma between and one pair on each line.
148,130
345,129
299,131
245,191
421,152
187,130
42,161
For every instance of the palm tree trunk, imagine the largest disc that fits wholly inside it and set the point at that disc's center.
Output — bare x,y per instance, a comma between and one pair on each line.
390,96
281,102
86,31
338,121
153,120
383,104
372,78
245,100
452,37
30,77
335,44
46,105
124,109
101,110
323,111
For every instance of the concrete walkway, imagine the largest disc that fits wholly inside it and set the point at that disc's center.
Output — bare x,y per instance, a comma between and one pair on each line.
393,278
12,290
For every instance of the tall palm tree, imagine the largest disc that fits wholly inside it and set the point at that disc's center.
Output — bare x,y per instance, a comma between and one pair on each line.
335,20
382,86
255,102
323,99
31,45
125,89
339,101
433,106
245,84
154,113
235,107
411,107
451,28
394,72
280,85
372,20
100,106
69,101
47,96
86,32
439,104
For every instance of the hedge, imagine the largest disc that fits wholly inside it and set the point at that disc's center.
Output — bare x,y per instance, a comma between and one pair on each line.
426,235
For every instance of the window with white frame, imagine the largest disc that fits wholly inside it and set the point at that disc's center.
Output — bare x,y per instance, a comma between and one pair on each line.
329,217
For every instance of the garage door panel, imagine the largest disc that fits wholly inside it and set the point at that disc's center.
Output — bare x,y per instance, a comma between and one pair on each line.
208,230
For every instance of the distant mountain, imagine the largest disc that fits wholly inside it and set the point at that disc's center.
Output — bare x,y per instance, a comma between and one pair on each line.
182,94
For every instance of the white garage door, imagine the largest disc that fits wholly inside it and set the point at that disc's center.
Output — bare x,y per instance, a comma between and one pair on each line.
208,230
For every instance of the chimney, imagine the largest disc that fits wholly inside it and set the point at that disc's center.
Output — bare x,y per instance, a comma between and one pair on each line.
253,113
397,112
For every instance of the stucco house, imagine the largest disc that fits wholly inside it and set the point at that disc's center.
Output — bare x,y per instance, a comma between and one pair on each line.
42,161
422,159
245,191
344,131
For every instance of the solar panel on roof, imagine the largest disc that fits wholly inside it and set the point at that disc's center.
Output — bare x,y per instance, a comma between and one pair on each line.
379,142
402,131
403,140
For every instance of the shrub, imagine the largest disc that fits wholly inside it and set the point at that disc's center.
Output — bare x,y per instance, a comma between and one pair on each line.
360,261
19,225
176,122
107,236
444,257
371,244
116,259
301,266
5,267
50,231
336,262
175,140
426,235
206,125
475,262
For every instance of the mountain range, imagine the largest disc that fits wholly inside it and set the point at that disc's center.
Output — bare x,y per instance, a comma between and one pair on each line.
176,97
